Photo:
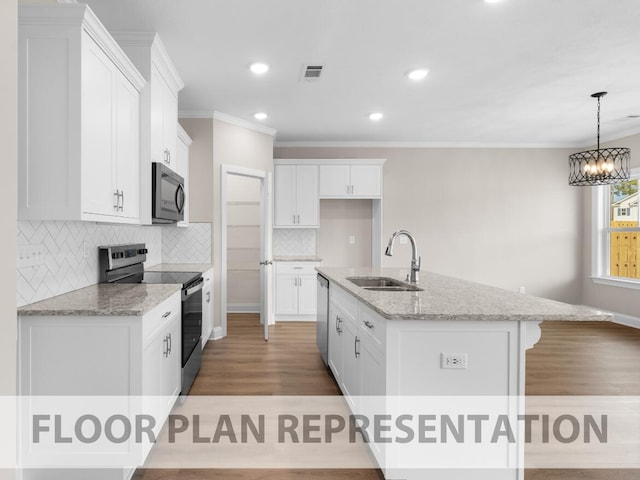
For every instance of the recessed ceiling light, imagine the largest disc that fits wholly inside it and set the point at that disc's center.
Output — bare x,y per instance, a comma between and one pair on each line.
260,116
375,116
418,74
259,68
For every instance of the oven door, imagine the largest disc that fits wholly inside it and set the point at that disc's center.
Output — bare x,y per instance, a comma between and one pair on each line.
191,318
168,195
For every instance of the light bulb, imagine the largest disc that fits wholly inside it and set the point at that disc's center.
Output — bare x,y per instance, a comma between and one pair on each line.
259,68
260,116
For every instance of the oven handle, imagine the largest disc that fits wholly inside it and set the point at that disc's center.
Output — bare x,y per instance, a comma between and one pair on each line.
191,290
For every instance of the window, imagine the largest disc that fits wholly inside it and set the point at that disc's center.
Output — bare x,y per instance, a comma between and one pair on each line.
617,233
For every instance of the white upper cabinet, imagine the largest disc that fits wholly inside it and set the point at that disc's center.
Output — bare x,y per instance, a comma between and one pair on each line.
79,101
296,196
351,180
159,108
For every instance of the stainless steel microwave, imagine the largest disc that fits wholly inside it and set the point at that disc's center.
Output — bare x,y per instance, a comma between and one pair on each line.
168,195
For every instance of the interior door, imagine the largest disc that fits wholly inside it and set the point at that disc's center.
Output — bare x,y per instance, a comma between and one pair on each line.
266,235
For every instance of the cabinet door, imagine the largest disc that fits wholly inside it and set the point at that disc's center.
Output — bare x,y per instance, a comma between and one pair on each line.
307,195
170,124
157,86
172,366
351,348
334,180
335,341
286,294
365,181
97,125
285,195
127,147
307,294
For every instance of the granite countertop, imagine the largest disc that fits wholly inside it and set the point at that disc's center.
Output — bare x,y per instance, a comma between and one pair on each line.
448,298
180,267
296,258
103,299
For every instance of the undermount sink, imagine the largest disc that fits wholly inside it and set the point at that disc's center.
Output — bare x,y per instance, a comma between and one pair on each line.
383,284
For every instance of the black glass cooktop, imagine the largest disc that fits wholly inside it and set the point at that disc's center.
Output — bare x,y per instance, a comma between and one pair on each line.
185,278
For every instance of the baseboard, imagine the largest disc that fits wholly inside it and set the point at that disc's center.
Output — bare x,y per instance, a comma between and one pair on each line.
627,320
243,308
217,333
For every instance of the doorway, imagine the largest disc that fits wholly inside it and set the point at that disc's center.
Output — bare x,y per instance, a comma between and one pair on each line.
246,279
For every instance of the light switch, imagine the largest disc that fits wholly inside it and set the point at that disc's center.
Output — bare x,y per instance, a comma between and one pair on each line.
352,239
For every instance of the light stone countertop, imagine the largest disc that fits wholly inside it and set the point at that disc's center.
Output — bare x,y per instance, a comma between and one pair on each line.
448,298
296,258
180,267
103,299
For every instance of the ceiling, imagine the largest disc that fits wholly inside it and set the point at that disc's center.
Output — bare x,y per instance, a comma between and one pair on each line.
513,73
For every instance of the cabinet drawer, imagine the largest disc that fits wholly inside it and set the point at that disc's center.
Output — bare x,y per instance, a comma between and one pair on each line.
373,325
296,268
344,300
162,314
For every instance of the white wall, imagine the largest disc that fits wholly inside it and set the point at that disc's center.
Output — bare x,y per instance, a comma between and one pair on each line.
504,217
8,200
616,299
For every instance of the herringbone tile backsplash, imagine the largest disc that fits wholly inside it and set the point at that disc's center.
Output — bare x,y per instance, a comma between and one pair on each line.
65,268
187,245
294,241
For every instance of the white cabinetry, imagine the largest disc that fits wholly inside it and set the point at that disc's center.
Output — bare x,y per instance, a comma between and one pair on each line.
79,101
182,168
207,306
296,196
123,356
350,180
159,108
296,290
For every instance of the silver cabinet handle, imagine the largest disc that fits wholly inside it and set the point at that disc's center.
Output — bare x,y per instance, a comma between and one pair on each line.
298,219
208,297
368,324
294,218
166,314
348,192
356,350
338,324
166,156
165,347
121,204
116,202
170,345
352,189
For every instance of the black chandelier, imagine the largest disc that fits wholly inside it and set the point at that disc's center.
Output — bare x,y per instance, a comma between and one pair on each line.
601,166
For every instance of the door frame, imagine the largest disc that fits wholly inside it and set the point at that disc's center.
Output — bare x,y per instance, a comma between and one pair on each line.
266,290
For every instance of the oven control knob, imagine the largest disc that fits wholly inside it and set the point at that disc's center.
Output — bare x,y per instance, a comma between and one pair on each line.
143,251
117,255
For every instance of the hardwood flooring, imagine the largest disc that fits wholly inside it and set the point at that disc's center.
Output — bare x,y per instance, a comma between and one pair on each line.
572,358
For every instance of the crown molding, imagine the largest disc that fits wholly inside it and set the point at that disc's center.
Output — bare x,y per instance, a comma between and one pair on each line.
223,117
195,114
286,144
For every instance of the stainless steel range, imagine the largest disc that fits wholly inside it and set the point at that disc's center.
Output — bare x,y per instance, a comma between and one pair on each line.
124,264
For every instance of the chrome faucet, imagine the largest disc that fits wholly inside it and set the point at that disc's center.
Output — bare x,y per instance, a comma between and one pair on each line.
415,259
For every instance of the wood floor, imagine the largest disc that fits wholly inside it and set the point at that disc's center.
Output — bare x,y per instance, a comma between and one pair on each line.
579,358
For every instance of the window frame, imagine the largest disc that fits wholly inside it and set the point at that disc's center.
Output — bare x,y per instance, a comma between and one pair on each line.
600,238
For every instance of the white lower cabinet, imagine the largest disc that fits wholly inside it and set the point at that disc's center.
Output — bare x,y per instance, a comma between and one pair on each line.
124,357
207,306
374,359
295,290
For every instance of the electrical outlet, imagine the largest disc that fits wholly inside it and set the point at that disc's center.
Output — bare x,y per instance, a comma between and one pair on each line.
453,360
522,290
30,255
352,239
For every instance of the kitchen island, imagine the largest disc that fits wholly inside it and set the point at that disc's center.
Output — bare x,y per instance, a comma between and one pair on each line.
451,338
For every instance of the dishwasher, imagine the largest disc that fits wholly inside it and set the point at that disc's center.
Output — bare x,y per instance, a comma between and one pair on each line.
322,324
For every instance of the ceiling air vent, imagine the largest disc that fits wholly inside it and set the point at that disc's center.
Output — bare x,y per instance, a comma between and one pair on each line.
312,73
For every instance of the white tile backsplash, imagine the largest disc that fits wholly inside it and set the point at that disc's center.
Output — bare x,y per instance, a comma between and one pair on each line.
64,267
294,241
186,245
